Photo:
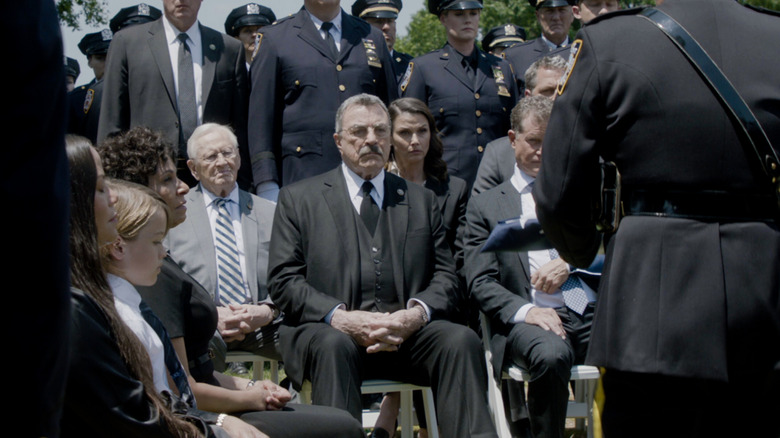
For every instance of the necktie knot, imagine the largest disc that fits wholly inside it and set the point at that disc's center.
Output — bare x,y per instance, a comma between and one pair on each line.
182,37
327,26
367,187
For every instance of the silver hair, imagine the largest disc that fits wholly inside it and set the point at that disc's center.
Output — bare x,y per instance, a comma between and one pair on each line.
193,144
359,100
538,107
547,63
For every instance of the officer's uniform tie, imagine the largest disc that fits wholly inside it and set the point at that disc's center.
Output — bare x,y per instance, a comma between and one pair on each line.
334,51
231,281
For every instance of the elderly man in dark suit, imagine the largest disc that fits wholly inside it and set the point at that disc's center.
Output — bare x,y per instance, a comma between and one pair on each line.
172,75
539,314
248,320
304,67
688,320
360,266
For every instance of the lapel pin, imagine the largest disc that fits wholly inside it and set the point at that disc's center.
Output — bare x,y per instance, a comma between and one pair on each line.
400,192
212,47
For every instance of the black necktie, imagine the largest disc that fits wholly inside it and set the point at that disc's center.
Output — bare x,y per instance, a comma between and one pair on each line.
188,110
178,374
369,211
334,51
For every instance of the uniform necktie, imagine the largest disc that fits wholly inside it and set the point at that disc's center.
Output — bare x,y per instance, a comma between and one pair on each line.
334,51
369,211
231,281
177,372
573,294
188,111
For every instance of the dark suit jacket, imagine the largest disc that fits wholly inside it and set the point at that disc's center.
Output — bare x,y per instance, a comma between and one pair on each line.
314,263
139,88
497,165
297,87
521,56
468,114
679,297
500,281
452,197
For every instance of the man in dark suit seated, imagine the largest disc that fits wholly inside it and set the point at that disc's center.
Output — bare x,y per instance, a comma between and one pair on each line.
539,314
360,266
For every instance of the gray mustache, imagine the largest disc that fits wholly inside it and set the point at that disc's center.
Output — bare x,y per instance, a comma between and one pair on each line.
370,149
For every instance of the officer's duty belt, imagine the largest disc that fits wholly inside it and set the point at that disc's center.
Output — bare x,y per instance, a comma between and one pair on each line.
714,206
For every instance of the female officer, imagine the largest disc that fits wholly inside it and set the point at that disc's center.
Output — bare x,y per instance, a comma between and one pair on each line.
469,92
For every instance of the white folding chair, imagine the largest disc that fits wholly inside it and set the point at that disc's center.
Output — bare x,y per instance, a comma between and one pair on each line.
406,414
258,364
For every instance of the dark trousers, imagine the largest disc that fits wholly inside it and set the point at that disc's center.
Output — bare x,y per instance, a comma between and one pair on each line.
651,405
444,355
548,359
305,421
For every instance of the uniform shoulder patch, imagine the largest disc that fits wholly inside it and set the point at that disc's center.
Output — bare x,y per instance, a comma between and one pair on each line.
407,76
258,41
573,55
88,99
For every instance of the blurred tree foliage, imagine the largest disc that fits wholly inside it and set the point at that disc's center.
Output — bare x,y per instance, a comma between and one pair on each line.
424,33
93,13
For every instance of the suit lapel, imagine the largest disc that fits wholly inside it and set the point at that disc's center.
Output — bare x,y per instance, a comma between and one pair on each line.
484,69
158,45
396,211
350,37
211,44
198,219
309,33
451,60
249,229
334,191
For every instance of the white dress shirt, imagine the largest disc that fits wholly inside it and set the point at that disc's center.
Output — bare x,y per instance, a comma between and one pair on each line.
536,259
127,301
196,48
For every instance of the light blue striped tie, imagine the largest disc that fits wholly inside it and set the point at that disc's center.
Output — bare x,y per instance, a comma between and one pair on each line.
231,282
574,295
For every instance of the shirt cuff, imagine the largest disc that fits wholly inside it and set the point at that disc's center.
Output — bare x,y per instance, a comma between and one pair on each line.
413,301
522,312
329,316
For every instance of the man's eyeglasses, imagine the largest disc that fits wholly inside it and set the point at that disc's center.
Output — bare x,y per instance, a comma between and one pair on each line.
381,130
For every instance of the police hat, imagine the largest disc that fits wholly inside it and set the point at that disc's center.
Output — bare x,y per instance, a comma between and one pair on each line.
72,68
250,14
551,3
436,7
377,8
138,14
96,43
503,36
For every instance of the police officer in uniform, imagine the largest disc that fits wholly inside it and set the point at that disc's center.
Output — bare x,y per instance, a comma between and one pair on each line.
131,15
382,14
688,317
72,72
555,18
80,101
470,92
502,37
304,67
244,22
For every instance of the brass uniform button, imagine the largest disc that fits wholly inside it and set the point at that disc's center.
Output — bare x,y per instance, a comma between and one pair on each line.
342,87
476,96
441,110
480,149
298,149
339,67
479,113
297,82
479,130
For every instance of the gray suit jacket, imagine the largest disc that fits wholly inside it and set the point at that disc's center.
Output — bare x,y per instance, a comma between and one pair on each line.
139,87
192,246
497,165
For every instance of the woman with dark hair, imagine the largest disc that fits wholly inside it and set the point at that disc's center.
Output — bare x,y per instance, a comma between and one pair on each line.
109,390
416,156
